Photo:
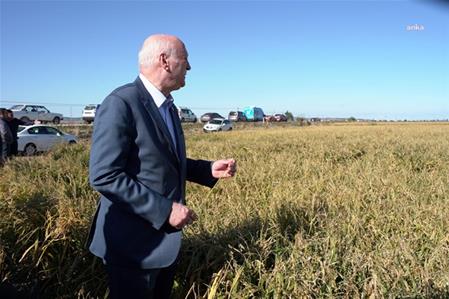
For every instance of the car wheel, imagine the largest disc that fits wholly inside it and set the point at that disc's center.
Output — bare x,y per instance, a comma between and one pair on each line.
230,129
56,120
30,149
72,142
25,119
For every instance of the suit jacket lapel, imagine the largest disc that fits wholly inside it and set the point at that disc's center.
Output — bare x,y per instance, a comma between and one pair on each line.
152,109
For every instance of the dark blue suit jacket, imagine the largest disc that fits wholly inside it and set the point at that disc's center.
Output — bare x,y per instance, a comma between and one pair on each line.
139,173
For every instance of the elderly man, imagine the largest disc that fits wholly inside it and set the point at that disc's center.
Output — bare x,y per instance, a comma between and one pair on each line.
138,164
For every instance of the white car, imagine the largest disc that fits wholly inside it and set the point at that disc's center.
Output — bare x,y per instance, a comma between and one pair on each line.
89,113
185,115
39,138
29,113
217,124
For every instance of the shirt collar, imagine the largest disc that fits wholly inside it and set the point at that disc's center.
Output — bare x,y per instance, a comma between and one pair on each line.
158,97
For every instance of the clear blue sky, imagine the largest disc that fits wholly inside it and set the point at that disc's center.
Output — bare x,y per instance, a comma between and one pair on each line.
314,58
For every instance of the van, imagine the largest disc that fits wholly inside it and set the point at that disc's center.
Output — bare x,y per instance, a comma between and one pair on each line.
186,115
253,113
236,116
89,113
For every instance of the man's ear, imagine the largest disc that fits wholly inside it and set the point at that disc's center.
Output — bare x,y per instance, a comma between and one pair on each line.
163,61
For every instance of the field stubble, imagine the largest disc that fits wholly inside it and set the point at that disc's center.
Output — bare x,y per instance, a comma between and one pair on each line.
322,211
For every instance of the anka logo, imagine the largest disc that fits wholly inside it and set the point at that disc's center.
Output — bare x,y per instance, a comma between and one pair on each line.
415,27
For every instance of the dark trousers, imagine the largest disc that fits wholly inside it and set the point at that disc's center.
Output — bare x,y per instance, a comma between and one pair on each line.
133,283
13,151
4,149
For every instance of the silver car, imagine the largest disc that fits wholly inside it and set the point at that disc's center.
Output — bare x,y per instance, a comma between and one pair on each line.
39,138
217,124
186,115
29,113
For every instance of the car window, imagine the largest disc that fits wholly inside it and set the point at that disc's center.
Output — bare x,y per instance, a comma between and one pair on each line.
17,107
42,110
91,107
37,130
32,131
52,131
216,122
30,108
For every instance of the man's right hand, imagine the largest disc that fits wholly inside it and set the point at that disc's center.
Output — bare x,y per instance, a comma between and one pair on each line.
181,216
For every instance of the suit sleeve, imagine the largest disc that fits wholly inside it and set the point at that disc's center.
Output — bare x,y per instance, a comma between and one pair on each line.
108,158
200,172
5,132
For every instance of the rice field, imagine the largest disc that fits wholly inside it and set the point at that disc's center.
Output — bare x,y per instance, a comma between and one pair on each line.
335,211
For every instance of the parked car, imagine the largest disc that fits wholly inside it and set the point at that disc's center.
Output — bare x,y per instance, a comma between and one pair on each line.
236,116
40,138
29,113
186,115
280,117
253,113
89,113
209,116
217,124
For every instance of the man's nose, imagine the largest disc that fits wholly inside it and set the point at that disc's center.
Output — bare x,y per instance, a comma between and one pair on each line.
188,66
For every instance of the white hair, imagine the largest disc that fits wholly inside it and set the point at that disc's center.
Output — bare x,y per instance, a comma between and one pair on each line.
153,47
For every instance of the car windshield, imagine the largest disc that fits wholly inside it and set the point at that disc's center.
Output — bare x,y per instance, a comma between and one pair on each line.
20,129
17,107
90,107
216,122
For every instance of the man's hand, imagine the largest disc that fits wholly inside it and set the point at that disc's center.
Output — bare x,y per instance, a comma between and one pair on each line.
181,216
224,168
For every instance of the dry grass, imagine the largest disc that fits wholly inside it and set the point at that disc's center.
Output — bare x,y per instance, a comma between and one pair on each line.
323,211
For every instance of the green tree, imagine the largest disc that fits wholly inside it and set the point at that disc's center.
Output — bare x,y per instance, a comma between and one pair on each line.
289,115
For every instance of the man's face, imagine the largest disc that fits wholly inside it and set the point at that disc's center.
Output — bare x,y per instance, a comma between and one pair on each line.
179,66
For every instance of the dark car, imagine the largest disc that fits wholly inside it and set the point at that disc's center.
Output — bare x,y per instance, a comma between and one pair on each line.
236,116
280,117
210,115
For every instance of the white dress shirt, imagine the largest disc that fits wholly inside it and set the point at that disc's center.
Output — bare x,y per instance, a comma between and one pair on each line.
163,104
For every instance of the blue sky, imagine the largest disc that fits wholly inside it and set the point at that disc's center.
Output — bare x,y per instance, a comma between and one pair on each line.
314,58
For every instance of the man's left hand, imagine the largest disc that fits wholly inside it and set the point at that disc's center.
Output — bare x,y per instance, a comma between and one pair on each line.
224,168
